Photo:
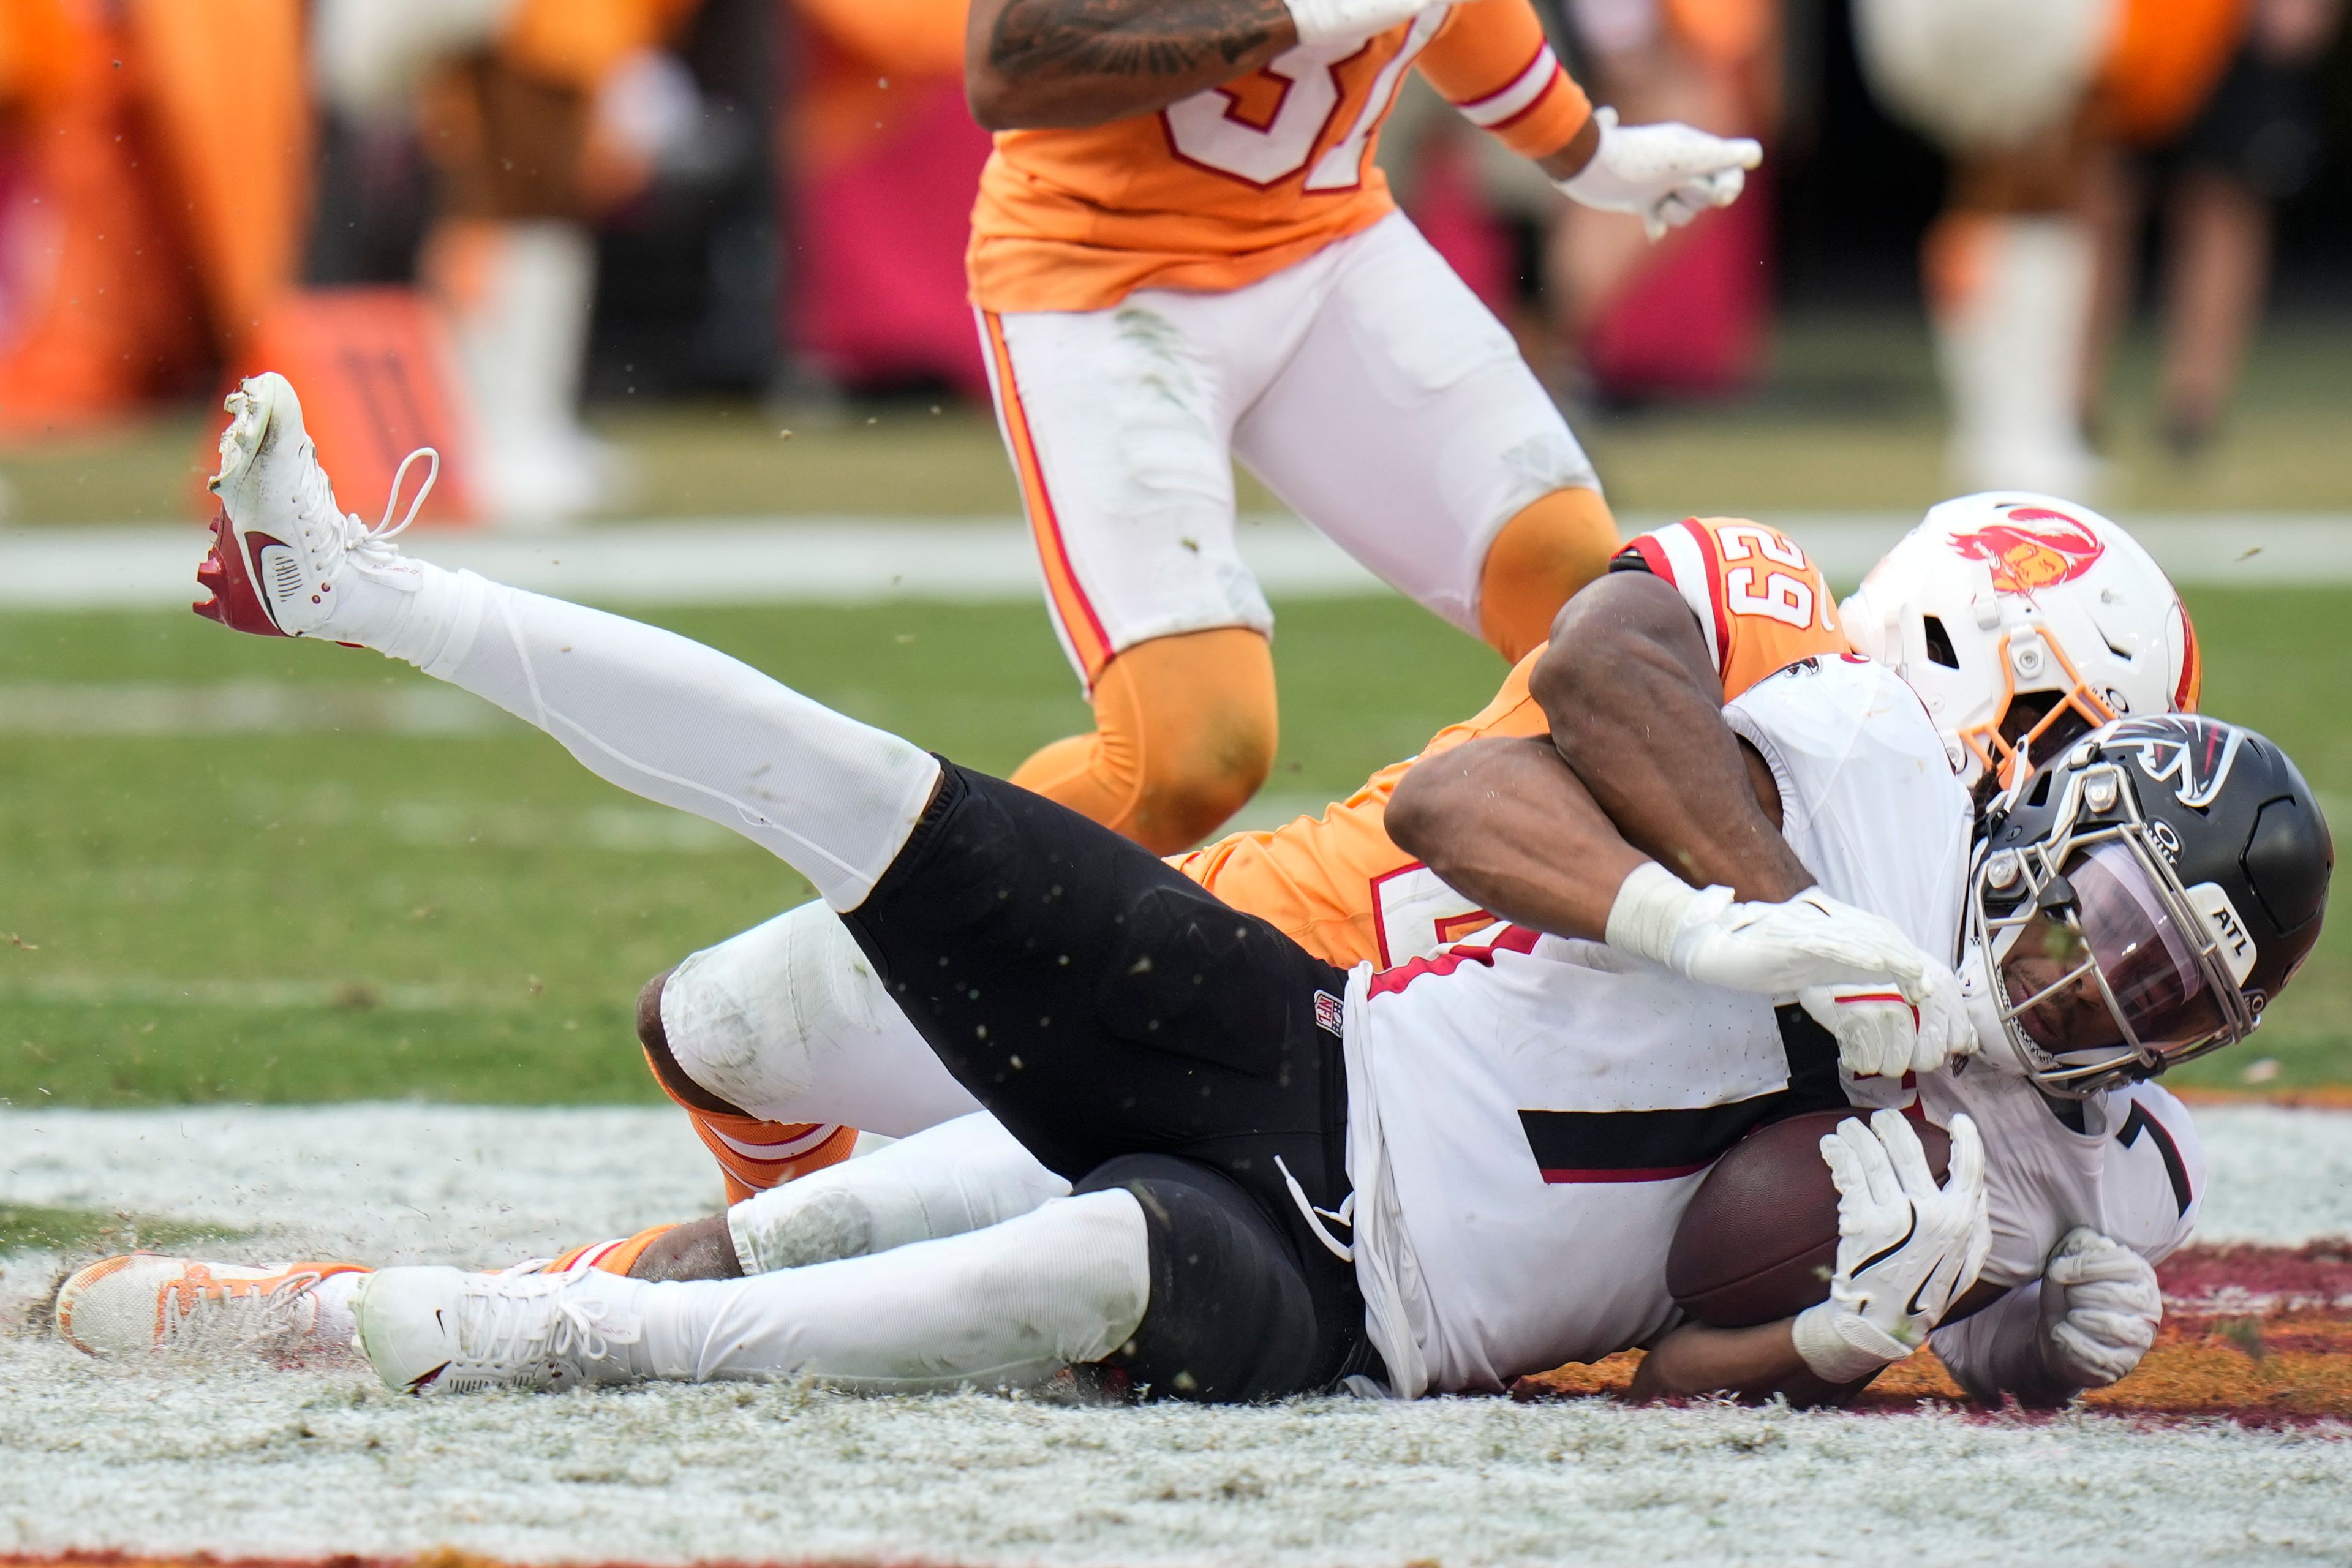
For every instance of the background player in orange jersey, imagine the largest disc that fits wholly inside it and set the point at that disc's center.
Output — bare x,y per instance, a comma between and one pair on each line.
2033,100
1183,253
537,114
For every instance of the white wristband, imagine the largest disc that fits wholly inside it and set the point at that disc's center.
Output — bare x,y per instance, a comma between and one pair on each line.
1648,913
1840,1347
1333,21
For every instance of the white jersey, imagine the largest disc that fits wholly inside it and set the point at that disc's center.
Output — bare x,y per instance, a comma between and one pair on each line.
1529,1115
1868,800
2135,1174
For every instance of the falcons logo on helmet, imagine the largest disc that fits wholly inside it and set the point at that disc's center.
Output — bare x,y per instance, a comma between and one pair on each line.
2193,756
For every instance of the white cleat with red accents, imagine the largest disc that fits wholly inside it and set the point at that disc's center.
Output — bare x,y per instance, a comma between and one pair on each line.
150,1304
280,543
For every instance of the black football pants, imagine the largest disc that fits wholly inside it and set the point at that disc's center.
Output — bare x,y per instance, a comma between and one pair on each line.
1133,1030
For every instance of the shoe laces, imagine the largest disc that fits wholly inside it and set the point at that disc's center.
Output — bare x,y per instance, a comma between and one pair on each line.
212,1318
518,1322
374,544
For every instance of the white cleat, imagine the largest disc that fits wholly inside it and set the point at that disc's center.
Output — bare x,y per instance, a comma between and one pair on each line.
150,1304
281,543
445,1331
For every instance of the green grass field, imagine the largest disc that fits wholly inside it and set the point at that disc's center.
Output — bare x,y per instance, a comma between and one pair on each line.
371,913
1849,418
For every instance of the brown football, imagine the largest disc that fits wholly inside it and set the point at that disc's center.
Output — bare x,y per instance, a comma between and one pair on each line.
1759,1239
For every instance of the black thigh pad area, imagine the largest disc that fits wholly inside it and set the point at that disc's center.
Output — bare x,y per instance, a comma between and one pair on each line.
1232,1316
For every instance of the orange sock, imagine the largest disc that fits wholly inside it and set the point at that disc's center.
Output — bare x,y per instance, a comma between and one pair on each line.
755,1156
1550,548
612,1257
1185,732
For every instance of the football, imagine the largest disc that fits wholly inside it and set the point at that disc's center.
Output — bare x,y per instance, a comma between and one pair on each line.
1760,1240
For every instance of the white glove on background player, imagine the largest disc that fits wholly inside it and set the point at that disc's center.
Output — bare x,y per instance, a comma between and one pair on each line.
1906,1248
1882,1035
1334,21
1667,173
2100,1309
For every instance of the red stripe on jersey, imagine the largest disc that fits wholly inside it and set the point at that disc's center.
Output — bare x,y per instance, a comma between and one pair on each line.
1558,1178
1471,107
1713,559
1543,100
1652,556
1513,938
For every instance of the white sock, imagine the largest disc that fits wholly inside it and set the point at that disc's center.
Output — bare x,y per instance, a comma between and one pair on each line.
1002,1307
336,1323
667,719
2011,335
950,1179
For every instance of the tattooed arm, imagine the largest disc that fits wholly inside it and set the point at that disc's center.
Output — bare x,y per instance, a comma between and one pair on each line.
1037,63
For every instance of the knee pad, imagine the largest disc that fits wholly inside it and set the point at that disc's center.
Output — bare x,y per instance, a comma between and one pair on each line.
743,1019
1185,732
1549,549
1230,1317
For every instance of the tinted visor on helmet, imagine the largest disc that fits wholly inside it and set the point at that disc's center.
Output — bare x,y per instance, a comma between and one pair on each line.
2122,969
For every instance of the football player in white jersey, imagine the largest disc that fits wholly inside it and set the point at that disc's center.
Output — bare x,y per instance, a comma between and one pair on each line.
2140,854
1209,1088
1721,1080
1209,1082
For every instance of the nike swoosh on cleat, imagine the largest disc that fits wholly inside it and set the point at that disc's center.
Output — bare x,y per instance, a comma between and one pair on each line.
423,1381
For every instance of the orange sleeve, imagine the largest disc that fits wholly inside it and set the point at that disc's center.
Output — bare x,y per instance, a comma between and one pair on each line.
1492,62
1761,602
1336,884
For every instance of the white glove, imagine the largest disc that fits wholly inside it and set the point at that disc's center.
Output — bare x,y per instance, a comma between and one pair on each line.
1668,173
1881,1034
1906,1248
1774,949
1335,21
2100,1309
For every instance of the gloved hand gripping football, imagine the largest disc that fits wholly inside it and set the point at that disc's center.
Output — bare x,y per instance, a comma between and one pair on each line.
1906,1248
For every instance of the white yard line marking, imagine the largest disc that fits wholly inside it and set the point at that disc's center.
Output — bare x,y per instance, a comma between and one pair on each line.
865,560
241,708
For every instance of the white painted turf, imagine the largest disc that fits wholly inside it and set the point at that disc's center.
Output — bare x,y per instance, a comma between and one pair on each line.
250,1460
818,560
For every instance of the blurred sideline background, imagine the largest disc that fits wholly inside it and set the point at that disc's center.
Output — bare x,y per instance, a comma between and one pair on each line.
701,266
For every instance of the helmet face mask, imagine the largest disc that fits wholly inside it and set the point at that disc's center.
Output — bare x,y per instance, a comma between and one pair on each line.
2105,971
2139,900
2025,726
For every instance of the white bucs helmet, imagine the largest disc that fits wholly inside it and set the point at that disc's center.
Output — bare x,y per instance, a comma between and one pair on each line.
2023,621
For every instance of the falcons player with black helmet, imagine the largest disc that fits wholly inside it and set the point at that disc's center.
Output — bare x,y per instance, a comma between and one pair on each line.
2135,902
2142,899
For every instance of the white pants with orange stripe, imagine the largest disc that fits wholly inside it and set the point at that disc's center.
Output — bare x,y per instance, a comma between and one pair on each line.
1366,385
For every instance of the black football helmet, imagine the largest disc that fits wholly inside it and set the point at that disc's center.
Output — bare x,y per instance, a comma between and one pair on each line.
2142,899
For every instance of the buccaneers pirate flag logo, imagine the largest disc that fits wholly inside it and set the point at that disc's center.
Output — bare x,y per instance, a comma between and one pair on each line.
2035,548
